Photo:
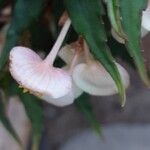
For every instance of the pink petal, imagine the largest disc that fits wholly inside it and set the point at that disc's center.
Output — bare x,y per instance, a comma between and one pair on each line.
28,69
95,80
67,53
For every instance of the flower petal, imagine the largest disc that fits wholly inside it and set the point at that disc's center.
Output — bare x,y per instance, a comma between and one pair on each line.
62,101
67,99
33,74
95,80
76,90
67,53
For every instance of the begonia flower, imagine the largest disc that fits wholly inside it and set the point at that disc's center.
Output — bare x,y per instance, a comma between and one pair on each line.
75,91
38,76
67,53
92,77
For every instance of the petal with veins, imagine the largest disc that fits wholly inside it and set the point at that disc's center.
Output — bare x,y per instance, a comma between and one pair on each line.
32,73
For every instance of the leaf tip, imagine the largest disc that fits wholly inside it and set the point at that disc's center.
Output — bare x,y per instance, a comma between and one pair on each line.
123,99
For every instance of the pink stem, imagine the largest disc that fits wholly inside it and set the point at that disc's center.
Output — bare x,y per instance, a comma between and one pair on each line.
88,57
53,53
74,62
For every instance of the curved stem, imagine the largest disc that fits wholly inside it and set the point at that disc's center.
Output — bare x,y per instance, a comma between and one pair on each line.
53,53
88,57
78,50
74,62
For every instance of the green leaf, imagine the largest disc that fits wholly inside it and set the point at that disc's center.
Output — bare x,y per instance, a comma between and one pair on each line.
114,15
25,13
131,11
6,122
34,111
86,19
83,104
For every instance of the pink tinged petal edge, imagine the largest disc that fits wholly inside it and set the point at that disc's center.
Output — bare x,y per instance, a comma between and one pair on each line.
28,69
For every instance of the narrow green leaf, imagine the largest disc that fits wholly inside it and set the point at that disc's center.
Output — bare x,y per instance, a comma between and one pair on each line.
83,104
25,13
131,11
6,122
114,15
34,111
86,19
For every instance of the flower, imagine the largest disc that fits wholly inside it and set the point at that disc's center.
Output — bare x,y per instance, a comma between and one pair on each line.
68,99
67,53
61,101
95,80
38,76
77,59
92,78
74,58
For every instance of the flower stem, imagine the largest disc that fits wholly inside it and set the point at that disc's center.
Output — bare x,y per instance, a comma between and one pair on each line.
53,53
74,62
87,55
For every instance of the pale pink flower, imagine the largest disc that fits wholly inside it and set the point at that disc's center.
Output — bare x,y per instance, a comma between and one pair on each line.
38,76
75,91
68,52
92,78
